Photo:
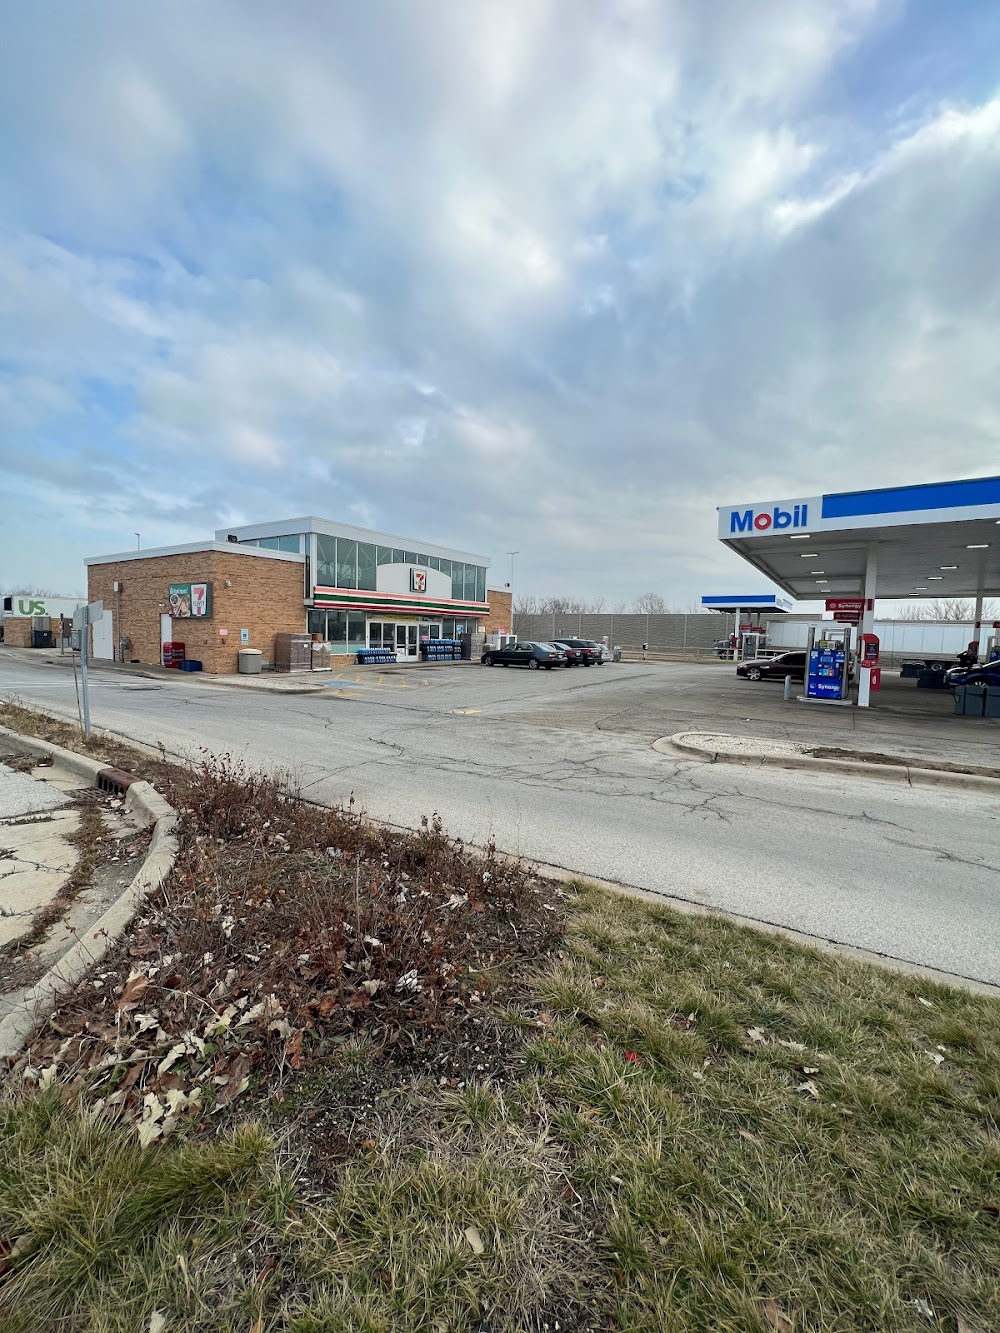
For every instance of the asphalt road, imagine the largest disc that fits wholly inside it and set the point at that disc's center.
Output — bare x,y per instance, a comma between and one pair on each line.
559,767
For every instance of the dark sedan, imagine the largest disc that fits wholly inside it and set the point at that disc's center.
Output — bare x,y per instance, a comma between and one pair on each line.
987,674
774,668
533,655
579,652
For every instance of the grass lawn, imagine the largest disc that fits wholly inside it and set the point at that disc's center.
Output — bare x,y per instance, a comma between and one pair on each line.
597,1114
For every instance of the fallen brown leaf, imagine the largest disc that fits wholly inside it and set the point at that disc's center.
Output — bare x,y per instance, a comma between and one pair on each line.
810,1087
133,992
475,1240
755,1034
293,1049
777,1318
238,1081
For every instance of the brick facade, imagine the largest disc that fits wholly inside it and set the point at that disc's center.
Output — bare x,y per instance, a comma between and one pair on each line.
264,595
17,631
498,621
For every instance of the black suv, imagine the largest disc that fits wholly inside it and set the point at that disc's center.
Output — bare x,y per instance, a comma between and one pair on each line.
579,652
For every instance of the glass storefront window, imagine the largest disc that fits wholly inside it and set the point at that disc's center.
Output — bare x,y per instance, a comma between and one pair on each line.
326,560
410,557
316,623
434,562
347,563
480,585
470,583
422,559
383,555
366,565
336,627
446,567
356,627
269,543
447,629
291,544
398,556
457,581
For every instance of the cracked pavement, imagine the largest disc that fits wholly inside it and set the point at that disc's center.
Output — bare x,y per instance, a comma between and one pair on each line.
559,767
35,856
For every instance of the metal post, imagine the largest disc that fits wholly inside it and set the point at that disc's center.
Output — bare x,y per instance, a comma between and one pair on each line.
867,625
85,692
810,641
788,688
845,671
978,616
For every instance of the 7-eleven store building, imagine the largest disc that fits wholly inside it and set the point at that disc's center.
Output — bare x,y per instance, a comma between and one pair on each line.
370,589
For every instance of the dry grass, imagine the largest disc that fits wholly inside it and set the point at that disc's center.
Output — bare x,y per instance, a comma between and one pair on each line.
759,1122
663,1122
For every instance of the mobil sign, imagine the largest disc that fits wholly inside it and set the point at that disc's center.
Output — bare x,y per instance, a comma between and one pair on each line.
763,520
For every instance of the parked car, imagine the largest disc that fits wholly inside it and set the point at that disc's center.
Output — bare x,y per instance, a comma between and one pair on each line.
533,655
986,674
774,668
579,652
781,665
724,647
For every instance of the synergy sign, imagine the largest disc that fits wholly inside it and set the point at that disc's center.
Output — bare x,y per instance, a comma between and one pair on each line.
761,520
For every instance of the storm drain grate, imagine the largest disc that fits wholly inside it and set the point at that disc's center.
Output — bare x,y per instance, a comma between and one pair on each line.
115,780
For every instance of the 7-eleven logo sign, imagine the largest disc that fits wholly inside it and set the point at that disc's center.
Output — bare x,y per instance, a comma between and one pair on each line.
418,580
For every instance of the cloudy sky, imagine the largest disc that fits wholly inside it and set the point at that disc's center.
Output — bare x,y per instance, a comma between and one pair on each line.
553,275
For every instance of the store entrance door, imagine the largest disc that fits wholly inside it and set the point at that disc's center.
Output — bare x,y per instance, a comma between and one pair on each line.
406,643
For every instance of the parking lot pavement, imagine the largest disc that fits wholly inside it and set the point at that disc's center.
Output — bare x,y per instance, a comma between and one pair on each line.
658,700
559,766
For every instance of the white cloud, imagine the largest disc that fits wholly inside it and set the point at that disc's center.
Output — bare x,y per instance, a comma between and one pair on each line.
531,267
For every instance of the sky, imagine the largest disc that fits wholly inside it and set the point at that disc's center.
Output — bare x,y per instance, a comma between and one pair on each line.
554,276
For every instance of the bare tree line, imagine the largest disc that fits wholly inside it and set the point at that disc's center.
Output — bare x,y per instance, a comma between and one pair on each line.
948,608
647,603
29,590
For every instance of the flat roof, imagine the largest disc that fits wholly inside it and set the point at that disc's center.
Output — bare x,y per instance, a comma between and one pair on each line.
288,527
934,541
194,548
751,601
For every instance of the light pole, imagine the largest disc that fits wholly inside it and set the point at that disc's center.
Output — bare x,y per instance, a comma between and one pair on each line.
510,585
137,543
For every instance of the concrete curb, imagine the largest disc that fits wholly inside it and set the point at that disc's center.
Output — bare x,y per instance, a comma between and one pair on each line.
904,774
141,799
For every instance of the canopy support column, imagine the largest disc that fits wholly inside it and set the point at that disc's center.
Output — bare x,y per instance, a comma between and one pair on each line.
867,624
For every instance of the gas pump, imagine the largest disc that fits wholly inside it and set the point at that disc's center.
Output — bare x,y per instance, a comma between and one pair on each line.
828,660
870,677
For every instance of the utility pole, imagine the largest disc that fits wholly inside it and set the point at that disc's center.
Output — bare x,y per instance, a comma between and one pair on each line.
510,585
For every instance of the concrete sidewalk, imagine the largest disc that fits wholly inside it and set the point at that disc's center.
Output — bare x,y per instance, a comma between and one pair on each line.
345,672
36,856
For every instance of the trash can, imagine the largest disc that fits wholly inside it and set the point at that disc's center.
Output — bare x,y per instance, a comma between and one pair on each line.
251,661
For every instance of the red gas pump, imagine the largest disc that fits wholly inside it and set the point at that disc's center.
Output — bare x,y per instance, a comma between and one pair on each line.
868,646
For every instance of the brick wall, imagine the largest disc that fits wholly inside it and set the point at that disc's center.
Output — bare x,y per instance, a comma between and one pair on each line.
498,621
17,631
265,597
